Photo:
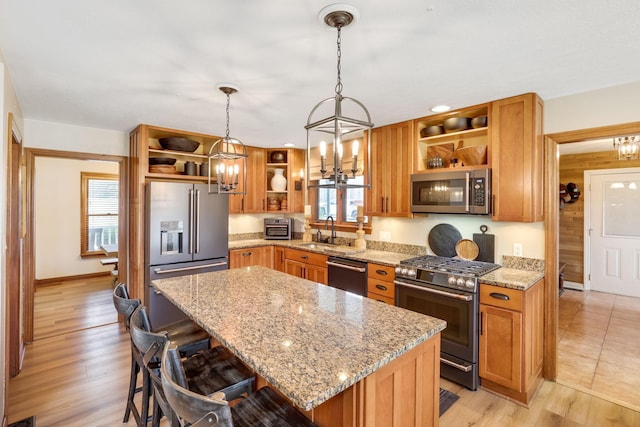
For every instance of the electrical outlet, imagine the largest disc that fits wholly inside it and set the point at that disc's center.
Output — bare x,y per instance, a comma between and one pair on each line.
517,249
385,236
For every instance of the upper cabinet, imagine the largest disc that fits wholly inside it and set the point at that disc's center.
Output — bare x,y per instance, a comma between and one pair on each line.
457,139
254,200
517,158
391,160
284,189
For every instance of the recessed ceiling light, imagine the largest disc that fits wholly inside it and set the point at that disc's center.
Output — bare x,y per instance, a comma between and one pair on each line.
440,108
289,144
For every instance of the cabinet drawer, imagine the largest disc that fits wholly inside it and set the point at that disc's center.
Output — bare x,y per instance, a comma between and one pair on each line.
306,257
380,298
498,296
381,287
381,272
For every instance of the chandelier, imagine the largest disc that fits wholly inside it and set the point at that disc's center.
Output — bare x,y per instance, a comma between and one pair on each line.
227,157
628,147
333,132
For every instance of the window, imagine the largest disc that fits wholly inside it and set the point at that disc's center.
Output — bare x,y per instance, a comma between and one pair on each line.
99,218
342,205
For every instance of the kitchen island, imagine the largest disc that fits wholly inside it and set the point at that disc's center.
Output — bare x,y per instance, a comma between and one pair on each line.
344,359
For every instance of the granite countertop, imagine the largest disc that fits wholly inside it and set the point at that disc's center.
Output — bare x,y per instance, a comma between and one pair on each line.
308,340
387,258
512,278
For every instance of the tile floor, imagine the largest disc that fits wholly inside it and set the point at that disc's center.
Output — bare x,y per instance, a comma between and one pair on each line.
599,348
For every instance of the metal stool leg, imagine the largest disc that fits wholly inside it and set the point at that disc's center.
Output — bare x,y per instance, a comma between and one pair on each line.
133,379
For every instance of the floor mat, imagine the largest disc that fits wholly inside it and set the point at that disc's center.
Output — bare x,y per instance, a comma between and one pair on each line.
27,422
446,400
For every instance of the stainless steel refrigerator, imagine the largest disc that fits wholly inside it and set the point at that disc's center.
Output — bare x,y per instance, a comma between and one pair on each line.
187,232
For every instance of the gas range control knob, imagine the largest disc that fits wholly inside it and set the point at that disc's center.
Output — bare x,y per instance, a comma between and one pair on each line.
412,272
460,281
398,269
470,284
452,280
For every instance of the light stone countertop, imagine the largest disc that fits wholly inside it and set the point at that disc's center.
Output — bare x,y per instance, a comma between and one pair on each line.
512,278
308,340
369,255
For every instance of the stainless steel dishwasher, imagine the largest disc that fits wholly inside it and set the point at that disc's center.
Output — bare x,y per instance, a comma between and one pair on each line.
348,275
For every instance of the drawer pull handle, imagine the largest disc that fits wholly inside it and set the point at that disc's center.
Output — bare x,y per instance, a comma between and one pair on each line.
381,272
304,256
499,296
381,287
247,253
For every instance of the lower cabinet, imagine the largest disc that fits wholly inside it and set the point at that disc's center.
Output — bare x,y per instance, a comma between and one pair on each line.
262,255
278,258
306,265
511,340
380,283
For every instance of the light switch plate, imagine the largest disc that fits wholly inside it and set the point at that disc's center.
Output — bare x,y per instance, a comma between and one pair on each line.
517,249
385,236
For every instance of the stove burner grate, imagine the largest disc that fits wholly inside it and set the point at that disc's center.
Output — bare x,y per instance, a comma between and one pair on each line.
451,265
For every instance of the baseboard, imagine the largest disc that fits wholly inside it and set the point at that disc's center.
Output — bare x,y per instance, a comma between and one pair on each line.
57,280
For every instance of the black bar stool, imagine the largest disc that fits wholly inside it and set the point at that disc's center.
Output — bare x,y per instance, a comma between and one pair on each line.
208,371
188,336
264,407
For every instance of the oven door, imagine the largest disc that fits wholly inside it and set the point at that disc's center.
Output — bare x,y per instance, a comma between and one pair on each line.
459,309
277,232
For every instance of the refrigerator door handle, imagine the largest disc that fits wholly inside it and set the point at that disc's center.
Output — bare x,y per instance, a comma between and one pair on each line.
191,220
196,215
196,267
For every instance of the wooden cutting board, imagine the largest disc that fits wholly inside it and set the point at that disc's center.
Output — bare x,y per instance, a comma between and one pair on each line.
467,249
443,238
486,245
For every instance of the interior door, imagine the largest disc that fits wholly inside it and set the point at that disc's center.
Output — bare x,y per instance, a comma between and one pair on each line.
614,230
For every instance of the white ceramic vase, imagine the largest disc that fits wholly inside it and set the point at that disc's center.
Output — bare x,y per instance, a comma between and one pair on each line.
279,182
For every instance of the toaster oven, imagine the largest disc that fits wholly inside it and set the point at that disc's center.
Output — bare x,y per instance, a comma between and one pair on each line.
278,228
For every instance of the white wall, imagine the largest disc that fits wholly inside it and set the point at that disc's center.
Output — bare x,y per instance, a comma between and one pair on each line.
57,216
9,105
63,137
609,106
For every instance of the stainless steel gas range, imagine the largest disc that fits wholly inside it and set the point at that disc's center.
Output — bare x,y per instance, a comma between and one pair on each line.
447,288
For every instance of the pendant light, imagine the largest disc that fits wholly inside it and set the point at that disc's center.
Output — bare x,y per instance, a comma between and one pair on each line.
332,131
228,158
628,147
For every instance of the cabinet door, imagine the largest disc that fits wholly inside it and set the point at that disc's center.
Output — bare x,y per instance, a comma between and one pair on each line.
400,161
516,158
501,346
295,268
391,166
254,200
317,274
278,258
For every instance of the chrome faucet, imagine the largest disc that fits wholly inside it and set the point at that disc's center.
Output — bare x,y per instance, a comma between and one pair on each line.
333,229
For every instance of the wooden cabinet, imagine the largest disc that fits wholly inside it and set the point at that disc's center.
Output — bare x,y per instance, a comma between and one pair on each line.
254,201
278,258
262,255
288,162
380,283
306,265
511,340
517,158
391,167
452,148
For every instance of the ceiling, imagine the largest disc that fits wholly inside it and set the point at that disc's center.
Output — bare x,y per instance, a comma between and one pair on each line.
115,64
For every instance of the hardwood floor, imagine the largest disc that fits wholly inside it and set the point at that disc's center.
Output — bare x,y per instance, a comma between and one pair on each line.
80,379
599,347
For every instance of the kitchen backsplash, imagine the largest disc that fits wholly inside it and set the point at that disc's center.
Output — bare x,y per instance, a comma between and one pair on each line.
522,263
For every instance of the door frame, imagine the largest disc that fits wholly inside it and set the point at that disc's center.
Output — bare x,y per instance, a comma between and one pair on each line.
29,245
552,215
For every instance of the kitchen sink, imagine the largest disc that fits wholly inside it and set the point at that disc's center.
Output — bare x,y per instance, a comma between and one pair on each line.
331,249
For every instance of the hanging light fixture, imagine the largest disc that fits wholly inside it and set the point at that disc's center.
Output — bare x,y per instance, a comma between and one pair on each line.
628,147
336,129
228,157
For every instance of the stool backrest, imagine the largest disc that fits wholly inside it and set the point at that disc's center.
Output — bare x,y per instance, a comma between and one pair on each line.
124,305
194,410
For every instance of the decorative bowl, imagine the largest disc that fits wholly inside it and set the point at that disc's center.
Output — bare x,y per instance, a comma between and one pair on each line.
472,156
161,161
431,131
479,122
179,144
456,124
278,157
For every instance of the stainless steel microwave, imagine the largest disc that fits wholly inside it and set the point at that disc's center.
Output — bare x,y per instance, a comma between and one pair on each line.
452,191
